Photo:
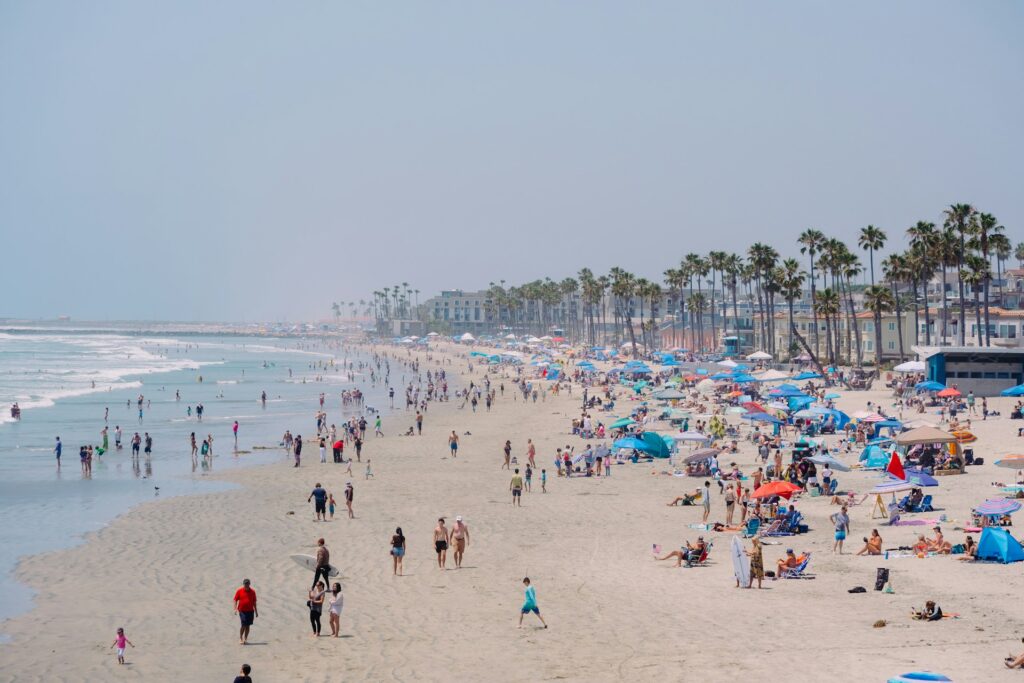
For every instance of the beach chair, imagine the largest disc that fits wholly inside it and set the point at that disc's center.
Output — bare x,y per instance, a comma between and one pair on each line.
703,557
799,571
753,524
773,529
833,486
926,504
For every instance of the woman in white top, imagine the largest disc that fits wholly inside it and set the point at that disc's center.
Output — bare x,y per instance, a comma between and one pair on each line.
336,601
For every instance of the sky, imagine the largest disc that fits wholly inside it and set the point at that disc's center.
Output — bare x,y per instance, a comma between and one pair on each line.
249,161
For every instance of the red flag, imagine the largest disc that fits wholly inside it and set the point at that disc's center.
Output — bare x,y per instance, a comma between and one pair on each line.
895,467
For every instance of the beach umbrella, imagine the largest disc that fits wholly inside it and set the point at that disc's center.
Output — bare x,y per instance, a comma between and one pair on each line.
806,375
1013,391
743,378
736,410
622,422
691,436
759,355
728,363
998,506
919,478
668,395
929,386
433,334
631,443
775,488
831,396
892,486
830,461
763,417
948,393
705,386
910,366
753,407
1013,462
867,416
771,376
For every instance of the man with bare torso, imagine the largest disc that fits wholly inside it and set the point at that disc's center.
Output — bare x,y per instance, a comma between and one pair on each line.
441,542
459,537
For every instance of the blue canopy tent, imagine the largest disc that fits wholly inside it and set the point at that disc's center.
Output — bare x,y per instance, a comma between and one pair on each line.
630,443
998,545
1013,391
799,402
722,376
656,444
743,378
785,390
891,425
930,385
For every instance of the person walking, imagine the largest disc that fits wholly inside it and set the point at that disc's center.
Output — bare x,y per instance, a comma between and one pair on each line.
516,487
453,444
245,608
530,603
441,543
316,606
397,551
120,640
298,449
323,563
730,505
234,429
459,539
320,504
841,520
706,500
348,498
57,450
508,455
419,423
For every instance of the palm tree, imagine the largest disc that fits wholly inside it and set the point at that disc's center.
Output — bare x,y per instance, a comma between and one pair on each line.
1002,248
698,304
975,273
850,268
827,305
878,299
1018,253
811,242
958,217
947,257
733,266
716,262
922,250
872,239
675,279
985,228
791,285
895,271
336,308
624,289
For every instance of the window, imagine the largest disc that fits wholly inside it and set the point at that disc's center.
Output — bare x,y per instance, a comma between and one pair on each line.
892,345
869,345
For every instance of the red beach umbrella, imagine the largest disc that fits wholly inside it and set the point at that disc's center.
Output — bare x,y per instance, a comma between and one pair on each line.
948,393
775,488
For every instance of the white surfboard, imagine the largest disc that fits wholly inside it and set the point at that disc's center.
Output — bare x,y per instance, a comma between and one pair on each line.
740,562
309,562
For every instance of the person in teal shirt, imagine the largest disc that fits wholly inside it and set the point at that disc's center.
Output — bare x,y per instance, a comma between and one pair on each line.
530,604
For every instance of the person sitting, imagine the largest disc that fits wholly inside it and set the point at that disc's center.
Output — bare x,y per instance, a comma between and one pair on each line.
686,498
916,496
931,612
939,544
688,553
970,550
1015,661
873,545
786,563
921,547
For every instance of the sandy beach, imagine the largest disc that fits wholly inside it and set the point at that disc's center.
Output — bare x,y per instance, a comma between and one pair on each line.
167,571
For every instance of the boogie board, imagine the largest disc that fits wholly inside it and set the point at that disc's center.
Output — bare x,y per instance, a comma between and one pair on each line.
309,562
740,562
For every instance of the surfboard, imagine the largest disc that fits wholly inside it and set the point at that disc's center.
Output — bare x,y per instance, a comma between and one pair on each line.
309,562
740,562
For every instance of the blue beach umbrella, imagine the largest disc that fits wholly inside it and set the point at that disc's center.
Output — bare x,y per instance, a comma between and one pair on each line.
930,385
632,443
763,417
806,375
1013,391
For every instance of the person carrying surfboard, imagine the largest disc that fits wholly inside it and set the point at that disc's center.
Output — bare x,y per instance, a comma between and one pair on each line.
323,563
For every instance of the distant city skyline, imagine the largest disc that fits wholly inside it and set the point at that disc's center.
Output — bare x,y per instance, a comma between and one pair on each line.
251,161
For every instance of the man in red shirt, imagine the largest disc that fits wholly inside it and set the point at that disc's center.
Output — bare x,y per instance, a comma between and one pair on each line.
245,607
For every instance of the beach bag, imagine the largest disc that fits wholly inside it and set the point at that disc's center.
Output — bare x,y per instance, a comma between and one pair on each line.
881,578
857,589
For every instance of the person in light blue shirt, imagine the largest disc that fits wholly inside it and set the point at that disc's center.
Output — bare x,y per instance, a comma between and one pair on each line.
530,604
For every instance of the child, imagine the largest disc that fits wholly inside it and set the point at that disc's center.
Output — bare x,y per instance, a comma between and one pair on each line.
369,473
120,641
530,604
543,481
330,504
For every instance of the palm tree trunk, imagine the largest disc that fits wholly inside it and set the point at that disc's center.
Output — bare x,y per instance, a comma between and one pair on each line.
878,343
977,316
945,310
988,334
899,320
917,322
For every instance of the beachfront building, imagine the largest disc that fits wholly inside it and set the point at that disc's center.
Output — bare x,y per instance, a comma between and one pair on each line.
985,371
892,328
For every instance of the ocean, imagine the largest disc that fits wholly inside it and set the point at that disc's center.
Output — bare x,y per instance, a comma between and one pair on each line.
66,381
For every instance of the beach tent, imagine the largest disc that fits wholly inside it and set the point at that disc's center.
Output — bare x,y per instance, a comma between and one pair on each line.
630,443
771,376
728,363
668,395
656,445
929,386
998,545
874,457
924,435
759,355
910,366
1013,391
467,337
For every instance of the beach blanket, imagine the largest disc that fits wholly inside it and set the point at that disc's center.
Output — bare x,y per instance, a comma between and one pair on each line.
915,522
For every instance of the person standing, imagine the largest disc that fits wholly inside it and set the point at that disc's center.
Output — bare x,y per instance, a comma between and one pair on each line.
316,606
234,427
419,423
508,455
706,500
841,520
453,444
336,602
323,450
348,499
57,450
397,551
756,564
298,449
358,442
459,538
121,641
531,453
441,543
320,505
323,563
730,505
245,608
530,603
516,487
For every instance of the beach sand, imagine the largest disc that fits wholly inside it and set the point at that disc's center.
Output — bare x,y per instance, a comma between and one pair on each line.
167,572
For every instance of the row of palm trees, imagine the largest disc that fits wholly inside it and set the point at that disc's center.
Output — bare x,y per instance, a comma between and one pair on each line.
969,246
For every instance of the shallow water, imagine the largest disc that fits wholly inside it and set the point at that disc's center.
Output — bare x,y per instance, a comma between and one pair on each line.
51,375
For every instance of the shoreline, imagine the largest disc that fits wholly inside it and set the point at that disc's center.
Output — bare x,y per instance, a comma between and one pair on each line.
614,613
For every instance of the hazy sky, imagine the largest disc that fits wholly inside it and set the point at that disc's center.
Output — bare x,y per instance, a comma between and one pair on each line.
251,160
